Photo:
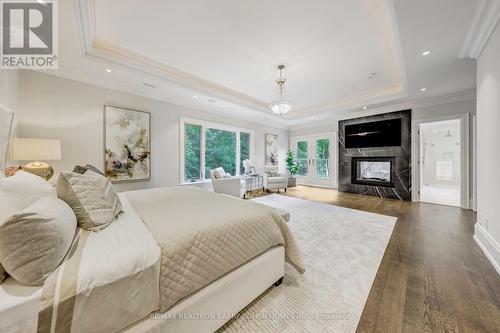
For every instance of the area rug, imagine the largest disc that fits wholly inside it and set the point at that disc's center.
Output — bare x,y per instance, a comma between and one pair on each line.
342,249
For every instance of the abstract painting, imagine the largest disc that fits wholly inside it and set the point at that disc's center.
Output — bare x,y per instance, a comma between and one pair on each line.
271,150
127,142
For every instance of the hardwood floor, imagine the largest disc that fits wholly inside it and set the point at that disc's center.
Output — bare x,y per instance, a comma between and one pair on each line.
433,277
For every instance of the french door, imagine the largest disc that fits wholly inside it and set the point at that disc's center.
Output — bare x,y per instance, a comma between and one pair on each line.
315,155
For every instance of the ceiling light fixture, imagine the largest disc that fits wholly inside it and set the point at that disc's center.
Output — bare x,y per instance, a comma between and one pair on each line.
365,107
195,96
423,89
109,70
426,53
281,106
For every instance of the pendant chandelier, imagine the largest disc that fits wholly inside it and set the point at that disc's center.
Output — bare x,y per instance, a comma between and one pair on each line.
281,106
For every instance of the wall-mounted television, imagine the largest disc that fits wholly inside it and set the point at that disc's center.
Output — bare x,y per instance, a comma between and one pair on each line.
384,133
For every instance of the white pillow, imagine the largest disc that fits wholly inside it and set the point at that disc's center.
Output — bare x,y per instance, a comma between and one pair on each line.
20,191
92,198
34,241
219,173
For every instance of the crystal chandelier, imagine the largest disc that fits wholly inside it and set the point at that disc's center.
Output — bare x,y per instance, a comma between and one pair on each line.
281,106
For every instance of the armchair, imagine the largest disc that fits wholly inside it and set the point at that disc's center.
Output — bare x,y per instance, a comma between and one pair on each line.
226,184
275,181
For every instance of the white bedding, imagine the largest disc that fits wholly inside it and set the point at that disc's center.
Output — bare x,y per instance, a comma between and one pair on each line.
121,261
204,235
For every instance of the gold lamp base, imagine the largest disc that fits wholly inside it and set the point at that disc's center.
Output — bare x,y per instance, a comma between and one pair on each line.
40,169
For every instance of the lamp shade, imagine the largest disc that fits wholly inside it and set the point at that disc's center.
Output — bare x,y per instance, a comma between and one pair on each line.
26,149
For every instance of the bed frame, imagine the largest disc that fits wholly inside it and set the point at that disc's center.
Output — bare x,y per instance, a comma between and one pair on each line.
227,295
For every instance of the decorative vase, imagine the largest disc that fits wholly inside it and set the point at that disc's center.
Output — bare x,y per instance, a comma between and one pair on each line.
292,182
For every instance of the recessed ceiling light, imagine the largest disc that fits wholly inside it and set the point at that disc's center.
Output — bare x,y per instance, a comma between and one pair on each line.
426,53
108,70
365,107
435,132
195,96
372,75
211,100
423,89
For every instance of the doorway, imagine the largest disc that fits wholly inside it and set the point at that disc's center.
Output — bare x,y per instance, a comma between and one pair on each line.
315,157
441,162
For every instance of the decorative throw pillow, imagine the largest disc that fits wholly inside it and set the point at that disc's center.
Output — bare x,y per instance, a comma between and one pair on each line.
273,173
92,198
79,169
219,173
82,169
20,191
34,241
3,274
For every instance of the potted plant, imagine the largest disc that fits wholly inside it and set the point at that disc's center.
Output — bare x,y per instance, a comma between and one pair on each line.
293,167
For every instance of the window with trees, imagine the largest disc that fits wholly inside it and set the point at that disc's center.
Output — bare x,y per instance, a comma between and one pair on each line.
206,146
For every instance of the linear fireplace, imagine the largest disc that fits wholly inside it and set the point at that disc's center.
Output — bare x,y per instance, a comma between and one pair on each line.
373,171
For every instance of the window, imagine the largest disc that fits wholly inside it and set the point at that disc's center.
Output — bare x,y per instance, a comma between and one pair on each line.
302,158
192,141
220,151
206,146
322,158
244,150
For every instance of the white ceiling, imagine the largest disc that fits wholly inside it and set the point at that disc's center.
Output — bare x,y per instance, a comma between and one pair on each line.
228,51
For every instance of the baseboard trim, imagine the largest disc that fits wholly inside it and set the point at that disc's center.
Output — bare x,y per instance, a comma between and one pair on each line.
488,245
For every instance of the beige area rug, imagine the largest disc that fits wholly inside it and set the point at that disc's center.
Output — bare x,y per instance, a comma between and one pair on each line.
342,249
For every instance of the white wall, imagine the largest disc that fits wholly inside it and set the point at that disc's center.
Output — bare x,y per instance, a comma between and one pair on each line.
313,130
488,153
9,90
57,108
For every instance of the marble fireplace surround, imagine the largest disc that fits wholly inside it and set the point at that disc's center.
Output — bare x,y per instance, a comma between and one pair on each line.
400,156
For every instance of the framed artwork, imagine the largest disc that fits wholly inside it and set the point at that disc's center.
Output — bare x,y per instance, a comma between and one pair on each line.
271,150
127,142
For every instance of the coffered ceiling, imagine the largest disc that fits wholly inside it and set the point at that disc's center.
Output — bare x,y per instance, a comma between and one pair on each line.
187,52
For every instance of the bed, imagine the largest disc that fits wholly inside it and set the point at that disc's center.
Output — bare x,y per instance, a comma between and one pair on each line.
173,254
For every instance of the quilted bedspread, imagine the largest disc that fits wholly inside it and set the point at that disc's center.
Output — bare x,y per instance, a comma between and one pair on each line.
203,235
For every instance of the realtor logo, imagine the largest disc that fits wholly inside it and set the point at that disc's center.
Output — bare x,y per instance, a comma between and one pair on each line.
29,34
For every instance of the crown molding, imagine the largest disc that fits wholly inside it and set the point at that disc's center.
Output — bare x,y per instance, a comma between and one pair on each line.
330,118
486,18
110,53
446,99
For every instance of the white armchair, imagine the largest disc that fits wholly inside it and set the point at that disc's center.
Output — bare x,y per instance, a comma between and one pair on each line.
225,184
275,181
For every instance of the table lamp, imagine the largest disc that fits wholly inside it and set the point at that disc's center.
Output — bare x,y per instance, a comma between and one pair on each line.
36,150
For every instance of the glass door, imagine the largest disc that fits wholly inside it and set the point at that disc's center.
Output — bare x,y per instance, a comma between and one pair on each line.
302,155
315,157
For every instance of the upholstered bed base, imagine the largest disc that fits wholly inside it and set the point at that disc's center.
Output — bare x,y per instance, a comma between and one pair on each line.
227,295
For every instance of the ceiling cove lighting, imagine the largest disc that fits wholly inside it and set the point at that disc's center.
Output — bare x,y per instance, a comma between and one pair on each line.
281,106
426,53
